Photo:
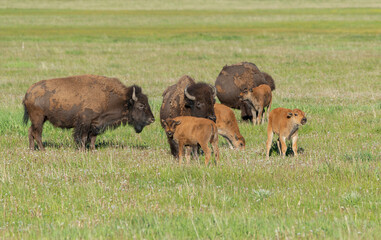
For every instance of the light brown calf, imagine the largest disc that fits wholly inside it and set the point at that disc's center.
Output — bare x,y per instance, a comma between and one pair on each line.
190,131
285,123
228,127
258,99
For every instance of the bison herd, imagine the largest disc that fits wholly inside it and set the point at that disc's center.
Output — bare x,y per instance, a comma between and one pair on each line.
189,113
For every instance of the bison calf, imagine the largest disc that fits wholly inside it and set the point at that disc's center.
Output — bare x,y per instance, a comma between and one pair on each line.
258,99
190,131
228,127
285,123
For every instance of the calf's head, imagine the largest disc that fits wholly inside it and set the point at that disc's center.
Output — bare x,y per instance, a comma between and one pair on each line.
170,126
200,98
247,96
139,110
297,116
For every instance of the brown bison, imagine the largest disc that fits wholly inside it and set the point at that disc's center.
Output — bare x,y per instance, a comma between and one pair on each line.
285,123
187,98
234,79
191,132
228,127
258,99
90,104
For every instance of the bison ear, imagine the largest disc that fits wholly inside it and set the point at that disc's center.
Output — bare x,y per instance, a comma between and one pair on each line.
289,115
164,122
177,123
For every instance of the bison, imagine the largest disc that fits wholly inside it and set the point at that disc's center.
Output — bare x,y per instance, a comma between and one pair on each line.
187,98
234,79
258,99
228,127
285,123
90,104
192,131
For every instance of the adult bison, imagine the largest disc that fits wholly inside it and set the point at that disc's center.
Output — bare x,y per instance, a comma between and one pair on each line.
90,104
234,79
187,98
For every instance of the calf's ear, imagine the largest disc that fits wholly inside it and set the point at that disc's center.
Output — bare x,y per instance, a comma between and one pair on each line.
289,115
177,123
164,122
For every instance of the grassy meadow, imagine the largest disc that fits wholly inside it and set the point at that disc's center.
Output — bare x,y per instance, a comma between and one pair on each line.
324,57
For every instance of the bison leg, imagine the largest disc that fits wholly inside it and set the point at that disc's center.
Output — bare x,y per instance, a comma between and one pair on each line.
188,151
195,152
245,112
270,135
174,147
294,139
216,150
93,138
35,131
181,149
81,136
283,145
207,152
259,115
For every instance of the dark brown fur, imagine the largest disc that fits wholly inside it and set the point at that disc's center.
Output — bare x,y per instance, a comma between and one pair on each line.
176,103
285,123
228,127
90,104
192,131
234,79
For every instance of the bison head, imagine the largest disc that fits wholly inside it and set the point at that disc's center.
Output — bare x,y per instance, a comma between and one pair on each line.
298,117
140,114
170,127
200,98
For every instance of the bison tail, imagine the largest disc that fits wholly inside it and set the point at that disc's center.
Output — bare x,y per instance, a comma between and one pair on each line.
26,116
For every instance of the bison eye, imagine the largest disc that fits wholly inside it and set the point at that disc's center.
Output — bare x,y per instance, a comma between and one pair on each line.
296,114
140,106
198,105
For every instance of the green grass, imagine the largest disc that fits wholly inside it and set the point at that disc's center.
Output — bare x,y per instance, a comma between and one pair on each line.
325,60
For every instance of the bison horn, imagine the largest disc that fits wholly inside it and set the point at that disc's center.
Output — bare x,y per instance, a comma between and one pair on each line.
188,95
214,90
134,95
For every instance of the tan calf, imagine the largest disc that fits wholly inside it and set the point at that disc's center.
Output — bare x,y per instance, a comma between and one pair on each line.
190,131
285,123
258,99
228,127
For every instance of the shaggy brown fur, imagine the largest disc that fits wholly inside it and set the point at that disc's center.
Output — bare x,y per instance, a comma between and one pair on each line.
190,131
285,123
228,127
176,102
258,99
234,79
90,104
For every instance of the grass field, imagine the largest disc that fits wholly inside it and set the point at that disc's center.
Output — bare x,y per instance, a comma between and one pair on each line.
325,59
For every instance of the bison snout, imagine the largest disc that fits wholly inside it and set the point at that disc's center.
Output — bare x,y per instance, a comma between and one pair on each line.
304,120
213,118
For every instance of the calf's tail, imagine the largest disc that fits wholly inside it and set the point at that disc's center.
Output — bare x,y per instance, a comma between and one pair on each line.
26,115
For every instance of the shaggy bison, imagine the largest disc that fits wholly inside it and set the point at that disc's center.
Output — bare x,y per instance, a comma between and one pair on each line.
234,79
90,104
187,98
